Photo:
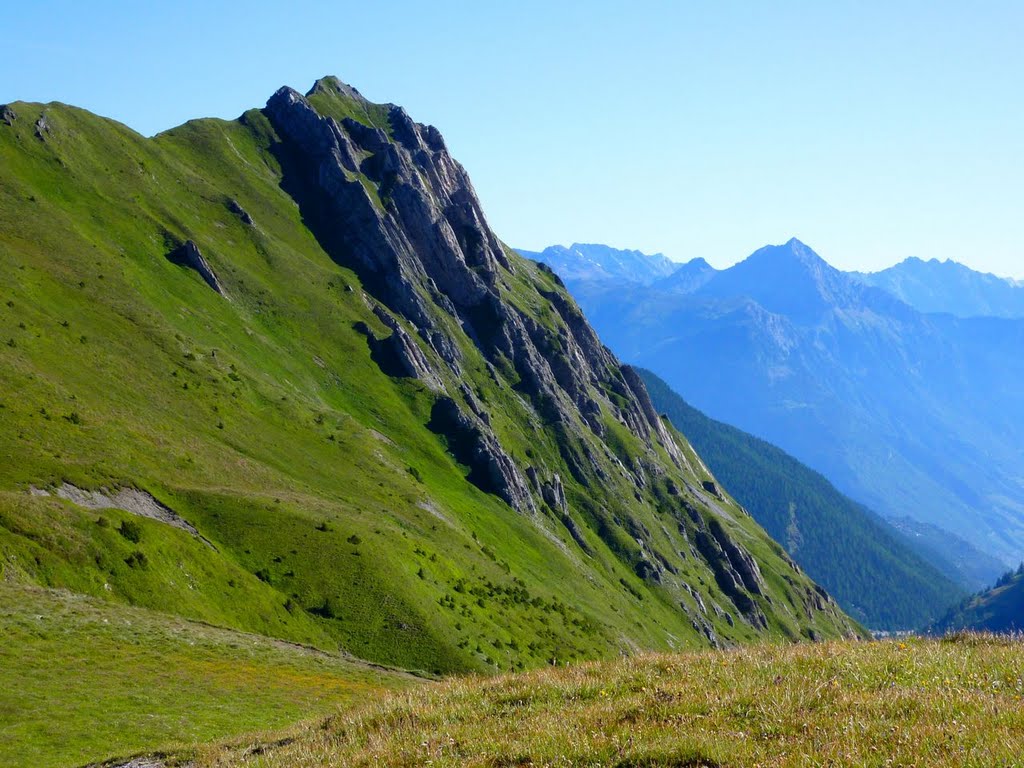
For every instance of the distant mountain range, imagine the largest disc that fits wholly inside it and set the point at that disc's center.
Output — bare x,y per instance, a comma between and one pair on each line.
946,286
916,415
876,574
582,261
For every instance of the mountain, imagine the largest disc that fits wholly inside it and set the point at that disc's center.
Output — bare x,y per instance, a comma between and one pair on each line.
947,286
875,575
997,609
913,415
688,277
958,559
582,261
278,374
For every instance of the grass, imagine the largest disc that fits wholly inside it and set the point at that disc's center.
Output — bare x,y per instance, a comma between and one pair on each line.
84,680
913,702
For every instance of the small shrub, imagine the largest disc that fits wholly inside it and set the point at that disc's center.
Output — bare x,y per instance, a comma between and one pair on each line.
137,560
131,530
102,522
354,540
415,474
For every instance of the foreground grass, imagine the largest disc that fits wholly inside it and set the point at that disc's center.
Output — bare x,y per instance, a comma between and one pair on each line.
919,702
82,680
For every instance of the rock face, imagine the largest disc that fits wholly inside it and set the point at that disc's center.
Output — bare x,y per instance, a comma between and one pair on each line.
236,208
42,127
188,255
8,115
472,443
388,201
384,198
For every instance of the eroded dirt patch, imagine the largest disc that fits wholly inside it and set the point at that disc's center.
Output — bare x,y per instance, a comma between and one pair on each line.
130,500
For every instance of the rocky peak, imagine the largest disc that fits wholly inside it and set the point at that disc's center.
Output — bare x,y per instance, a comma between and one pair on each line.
385,198
593,261
335,85
789,279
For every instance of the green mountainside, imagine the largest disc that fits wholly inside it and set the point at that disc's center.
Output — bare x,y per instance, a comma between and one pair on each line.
1000,608
276,374
875,575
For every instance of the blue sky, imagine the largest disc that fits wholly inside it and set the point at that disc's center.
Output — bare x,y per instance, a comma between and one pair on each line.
873,131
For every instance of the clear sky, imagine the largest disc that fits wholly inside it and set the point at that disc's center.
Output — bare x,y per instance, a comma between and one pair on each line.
873,131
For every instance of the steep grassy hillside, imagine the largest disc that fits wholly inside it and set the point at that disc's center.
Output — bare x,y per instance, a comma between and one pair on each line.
874,574
276,374
82,680
954,702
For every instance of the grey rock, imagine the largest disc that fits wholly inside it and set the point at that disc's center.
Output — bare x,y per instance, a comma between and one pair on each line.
727,577
8,115
711,488
399,354
554,494
132,500
576,533
472,443
236,208
189,255
741,560
42,127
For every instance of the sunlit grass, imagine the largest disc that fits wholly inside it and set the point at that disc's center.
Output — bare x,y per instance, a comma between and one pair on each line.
82,680
914,702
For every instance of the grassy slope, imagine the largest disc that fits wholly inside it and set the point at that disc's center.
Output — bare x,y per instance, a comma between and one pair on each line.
874,575
337,519
132,679
953,702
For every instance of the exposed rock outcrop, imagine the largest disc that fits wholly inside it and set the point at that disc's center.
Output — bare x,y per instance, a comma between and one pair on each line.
188,255
8,115
236,208
127,500
472,443
398,354
554,495
400,211
42,127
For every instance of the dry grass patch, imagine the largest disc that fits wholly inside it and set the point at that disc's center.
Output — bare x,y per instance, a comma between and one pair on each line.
909,703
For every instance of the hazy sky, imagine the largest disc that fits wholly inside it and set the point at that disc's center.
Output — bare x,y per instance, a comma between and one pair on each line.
873,131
